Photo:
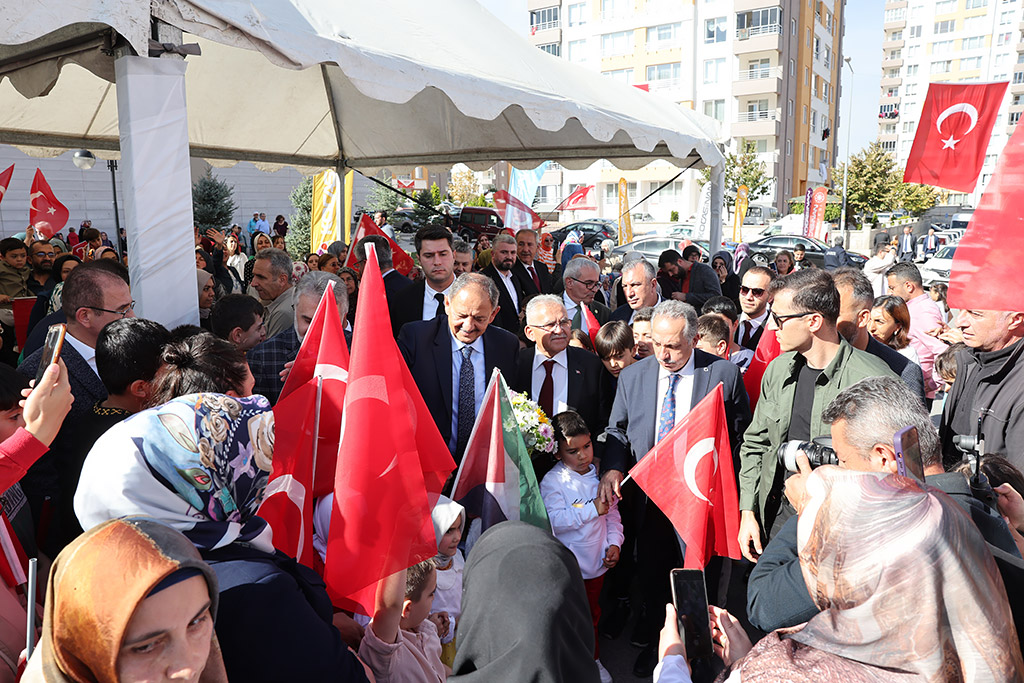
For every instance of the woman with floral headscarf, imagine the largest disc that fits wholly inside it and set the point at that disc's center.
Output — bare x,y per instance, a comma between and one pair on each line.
546,252
200,463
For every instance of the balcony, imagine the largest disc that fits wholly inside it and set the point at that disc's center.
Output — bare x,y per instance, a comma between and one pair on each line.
758,123
757,39
894,63
758,80
664,84
545,25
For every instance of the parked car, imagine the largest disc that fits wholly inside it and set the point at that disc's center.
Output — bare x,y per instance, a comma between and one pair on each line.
404,220
763,251
593,231
678,230
936,269
474,221
652,247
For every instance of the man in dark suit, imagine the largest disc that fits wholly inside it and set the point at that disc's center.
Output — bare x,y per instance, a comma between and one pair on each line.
754,298
451,357
93,297
424,299
698,282
582,279
558,376
640,288
510,289
931,243
534,277
907,245
394,282
652,396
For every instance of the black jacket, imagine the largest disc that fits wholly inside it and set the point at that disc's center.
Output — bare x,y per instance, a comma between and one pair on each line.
527,283
508,317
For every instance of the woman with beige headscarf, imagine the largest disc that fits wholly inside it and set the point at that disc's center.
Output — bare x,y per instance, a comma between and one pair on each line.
907,589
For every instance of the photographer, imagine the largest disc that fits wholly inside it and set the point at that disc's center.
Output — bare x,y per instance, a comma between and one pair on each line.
864,420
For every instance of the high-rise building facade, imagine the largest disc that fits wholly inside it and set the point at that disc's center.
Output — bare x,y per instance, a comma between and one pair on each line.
767,71
932,41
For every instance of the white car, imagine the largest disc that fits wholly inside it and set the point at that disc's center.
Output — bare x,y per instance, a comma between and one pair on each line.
936,269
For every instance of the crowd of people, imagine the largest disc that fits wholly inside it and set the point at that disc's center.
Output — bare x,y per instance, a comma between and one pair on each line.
136,465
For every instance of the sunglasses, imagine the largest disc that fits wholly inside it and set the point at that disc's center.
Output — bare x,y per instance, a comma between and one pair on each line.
756,291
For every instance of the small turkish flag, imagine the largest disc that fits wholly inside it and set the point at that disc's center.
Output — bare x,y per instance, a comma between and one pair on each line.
5,181
690,477
592,325
953,134
400,260
43,205
582,198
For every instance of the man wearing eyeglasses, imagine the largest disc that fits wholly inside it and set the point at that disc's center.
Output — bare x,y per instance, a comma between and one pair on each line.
581,279
754,300
558,376
40,257
816,364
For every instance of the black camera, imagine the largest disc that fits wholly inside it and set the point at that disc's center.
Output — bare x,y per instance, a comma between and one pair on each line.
818,451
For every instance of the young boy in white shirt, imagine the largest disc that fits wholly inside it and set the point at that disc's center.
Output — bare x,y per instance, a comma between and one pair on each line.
590,529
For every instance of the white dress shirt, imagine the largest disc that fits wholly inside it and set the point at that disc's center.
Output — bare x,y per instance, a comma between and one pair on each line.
684,392
479,380
510,285
430,303
755,323
570,309
559,379
633,314
87,352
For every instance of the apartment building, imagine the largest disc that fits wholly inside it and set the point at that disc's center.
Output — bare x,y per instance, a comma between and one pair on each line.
767,71
932,41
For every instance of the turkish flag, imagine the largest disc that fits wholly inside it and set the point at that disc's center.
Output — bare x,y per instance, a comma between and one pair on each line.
392,462
5,181
400,260
44,208
306,449
582,198
515,212
767,350
592,325
984,274
953,134
689,476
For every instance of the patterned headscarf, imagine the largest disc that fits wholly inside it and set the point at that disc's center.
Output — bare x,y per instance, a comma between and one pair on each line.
547,255
199,463
299,270
906,587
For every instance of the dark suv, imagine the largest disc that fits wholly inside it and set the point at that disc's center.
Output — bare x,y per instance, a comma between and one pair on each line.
474,221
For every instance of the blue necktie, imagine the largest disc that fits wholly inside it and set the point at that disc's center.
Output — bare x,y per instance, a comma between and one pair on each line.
667,420
467,401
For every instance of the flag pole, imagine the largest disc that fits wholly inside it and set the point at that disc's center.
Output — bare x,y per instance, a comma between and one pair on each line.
316,422
30,635
623,482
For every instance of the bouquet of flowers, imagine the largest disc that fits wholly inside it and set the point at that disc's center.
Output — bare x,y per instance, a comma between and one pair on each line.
538,433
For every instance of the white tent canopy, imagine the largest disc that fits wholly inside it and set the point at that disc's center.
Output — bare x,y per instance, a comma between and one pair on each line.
401,83
310,84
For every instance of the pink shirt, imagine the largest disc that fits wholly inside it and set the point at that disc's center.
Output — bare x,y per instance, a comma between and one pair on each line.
415,658
925,315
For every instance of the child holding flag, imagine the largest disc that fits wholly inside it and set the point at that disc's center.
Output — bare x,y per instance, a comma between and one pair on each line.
591,529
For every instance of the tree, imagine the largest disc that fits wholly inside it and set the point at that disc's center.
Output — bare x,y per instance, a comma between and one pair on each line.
212,203
743,169
299,239
383,199
463,186
435,195
423,214
917,199
876,184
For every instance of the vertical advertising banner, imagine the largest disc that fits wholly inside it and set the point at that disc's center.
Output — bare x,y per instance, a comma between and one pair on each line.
704,212
325,214
742,194
816,213
625,224
350,179
807,212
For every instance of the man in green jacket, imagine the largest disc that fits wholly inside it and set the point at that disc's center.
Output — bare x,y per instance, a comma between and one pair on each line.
815,365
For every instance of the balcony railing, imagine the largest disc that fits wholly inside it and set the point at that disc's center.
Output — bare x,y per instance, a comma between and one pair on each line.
767,29
545,25
664,83
759,115
757,73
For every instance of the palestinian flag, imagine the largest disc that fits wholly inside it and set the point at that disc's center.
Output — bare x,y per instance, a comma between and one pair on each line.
495,481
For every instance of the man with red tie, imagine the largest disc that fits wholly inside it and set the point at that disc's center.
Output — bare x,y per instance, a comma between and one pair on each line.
931,242
754,304
534,277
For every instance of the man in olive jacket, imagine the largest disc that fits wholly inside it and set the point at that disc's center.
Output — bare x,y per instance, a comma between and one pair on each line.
815,365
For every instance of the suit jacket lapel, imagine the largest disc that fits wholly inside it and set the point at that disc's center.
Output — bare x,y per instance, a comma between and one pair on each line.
574,380
443,362
83,374
649,389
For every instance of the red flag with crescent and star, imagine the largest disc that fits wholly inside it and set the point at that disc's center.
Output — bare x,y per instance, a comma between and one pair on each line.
5,181
953,134
690,477
400,260
43,206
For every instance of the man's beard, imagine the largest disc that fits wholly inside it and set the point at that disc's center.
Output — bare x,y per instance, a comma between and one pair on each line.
504,266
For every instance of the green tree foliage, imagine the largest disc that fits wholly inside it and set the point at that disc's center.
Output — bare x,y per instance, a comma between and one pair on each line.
743,169
383,199
917,199
297,241
435,195
212,202
463,187
424,215
876,184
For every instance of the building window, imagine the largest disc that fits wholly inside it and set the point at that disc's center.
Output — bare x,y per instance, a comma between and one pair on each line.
578,14
621,75
758,22
979,23
915,31
803,150
552,48
947,26
892,73
714,30
896,14
892,91
942,47
814,122
889,129
970,63
789,147
577,50
941,67
910,90
909,126
912,69
895,35
715,109
760,144
1003,38
913,51
1006,18
542,19
620,43
945,6
973,43
792,68
888,145
817,48
662,37
1018,77
611,9
975,4
789,108
667,73
714,70
895,54
1014,118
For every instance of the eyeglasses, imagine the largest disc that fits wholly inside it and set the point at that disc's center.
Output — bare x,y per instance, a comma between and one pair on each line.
121,312
779,319
553,326
51,254
589,284
756,291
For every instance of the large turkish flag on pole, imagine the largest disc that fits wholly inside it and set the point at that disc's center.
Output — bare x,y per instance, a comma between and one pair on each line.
986,274
953,134
690,477
43,207
5,181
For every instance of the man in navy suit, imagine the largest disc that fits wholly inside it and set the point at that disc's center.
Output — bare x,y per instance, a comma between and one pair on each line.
652,396
558,376
424,299
931,243
394,282
451,357
907,244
